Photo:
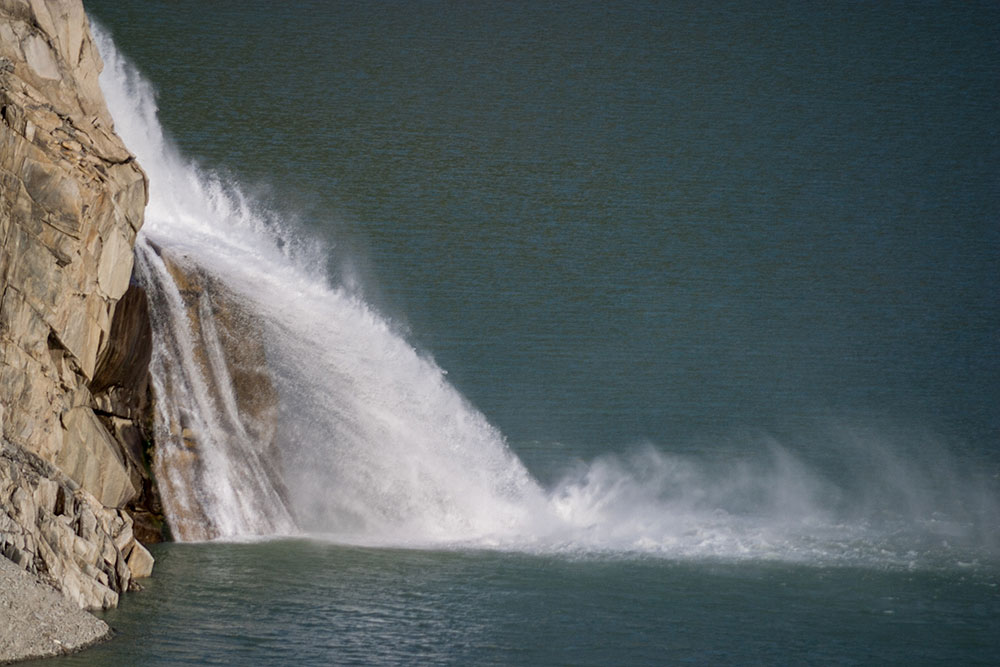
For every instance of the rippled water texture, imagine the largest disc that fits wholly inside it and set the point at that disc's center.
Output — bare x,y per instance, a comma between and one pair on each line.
318,604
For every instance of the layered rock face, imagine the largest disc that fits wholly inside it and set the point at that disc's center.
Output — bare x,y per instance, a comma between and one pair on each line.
57,530
74,336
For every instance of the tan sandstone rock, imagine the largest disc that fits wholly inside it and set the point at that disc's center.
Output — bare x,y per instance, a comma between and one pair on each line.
94,460
73,356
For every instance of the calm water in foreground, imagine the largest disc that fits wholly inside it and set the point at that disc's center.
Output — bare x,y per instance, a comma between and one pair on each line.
308,603
730,265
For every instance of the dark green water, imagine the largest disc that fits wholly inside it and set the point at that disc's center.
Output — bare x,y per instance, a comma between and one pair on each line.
715,229
308,603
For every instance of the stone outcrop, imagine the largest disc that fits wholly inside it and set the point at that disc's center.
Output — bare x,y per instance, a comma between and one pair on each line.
74,335
53,528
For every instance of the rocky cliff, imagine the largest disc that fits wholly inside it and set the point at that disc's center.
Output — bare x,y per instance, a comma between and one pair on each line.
74,336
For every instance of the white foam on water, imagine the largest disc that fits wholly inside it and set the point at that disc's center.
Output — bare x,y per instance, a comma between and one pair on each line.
377,448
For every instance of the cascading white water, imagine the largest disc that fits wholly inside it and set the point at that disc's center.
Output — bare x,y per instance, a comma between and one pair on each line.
375,446
220,486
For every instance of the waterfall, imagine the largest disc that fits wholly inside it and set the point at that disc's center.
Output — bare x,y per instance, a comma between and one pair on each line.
286,404
370,443
217,476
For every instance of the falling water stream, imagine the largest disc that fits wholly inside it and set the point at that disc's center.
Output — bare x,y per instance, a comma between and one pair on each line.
372,444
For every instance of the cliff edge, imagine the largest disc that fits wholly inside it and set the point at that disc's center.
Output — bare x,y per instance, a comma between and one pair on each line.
74,333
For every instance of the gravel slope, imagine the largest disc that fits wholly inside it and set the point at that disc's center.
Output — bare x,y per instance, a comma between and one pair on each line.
37,621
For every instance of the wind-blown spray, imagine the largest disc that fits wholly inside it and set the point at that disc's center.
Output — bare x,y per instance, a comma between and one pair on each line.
372,444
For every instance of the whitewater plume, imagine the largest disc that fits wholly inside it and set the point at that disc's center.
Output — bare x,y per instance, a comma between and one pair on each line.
375,443
369,443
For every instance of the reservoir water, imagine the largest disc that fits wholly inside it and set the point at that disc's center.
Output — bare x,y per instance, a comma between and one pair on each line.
604,332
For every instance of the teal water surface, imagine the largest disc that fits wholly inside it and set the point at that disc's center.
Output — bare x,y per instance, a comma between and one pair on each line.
719,231
293,602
